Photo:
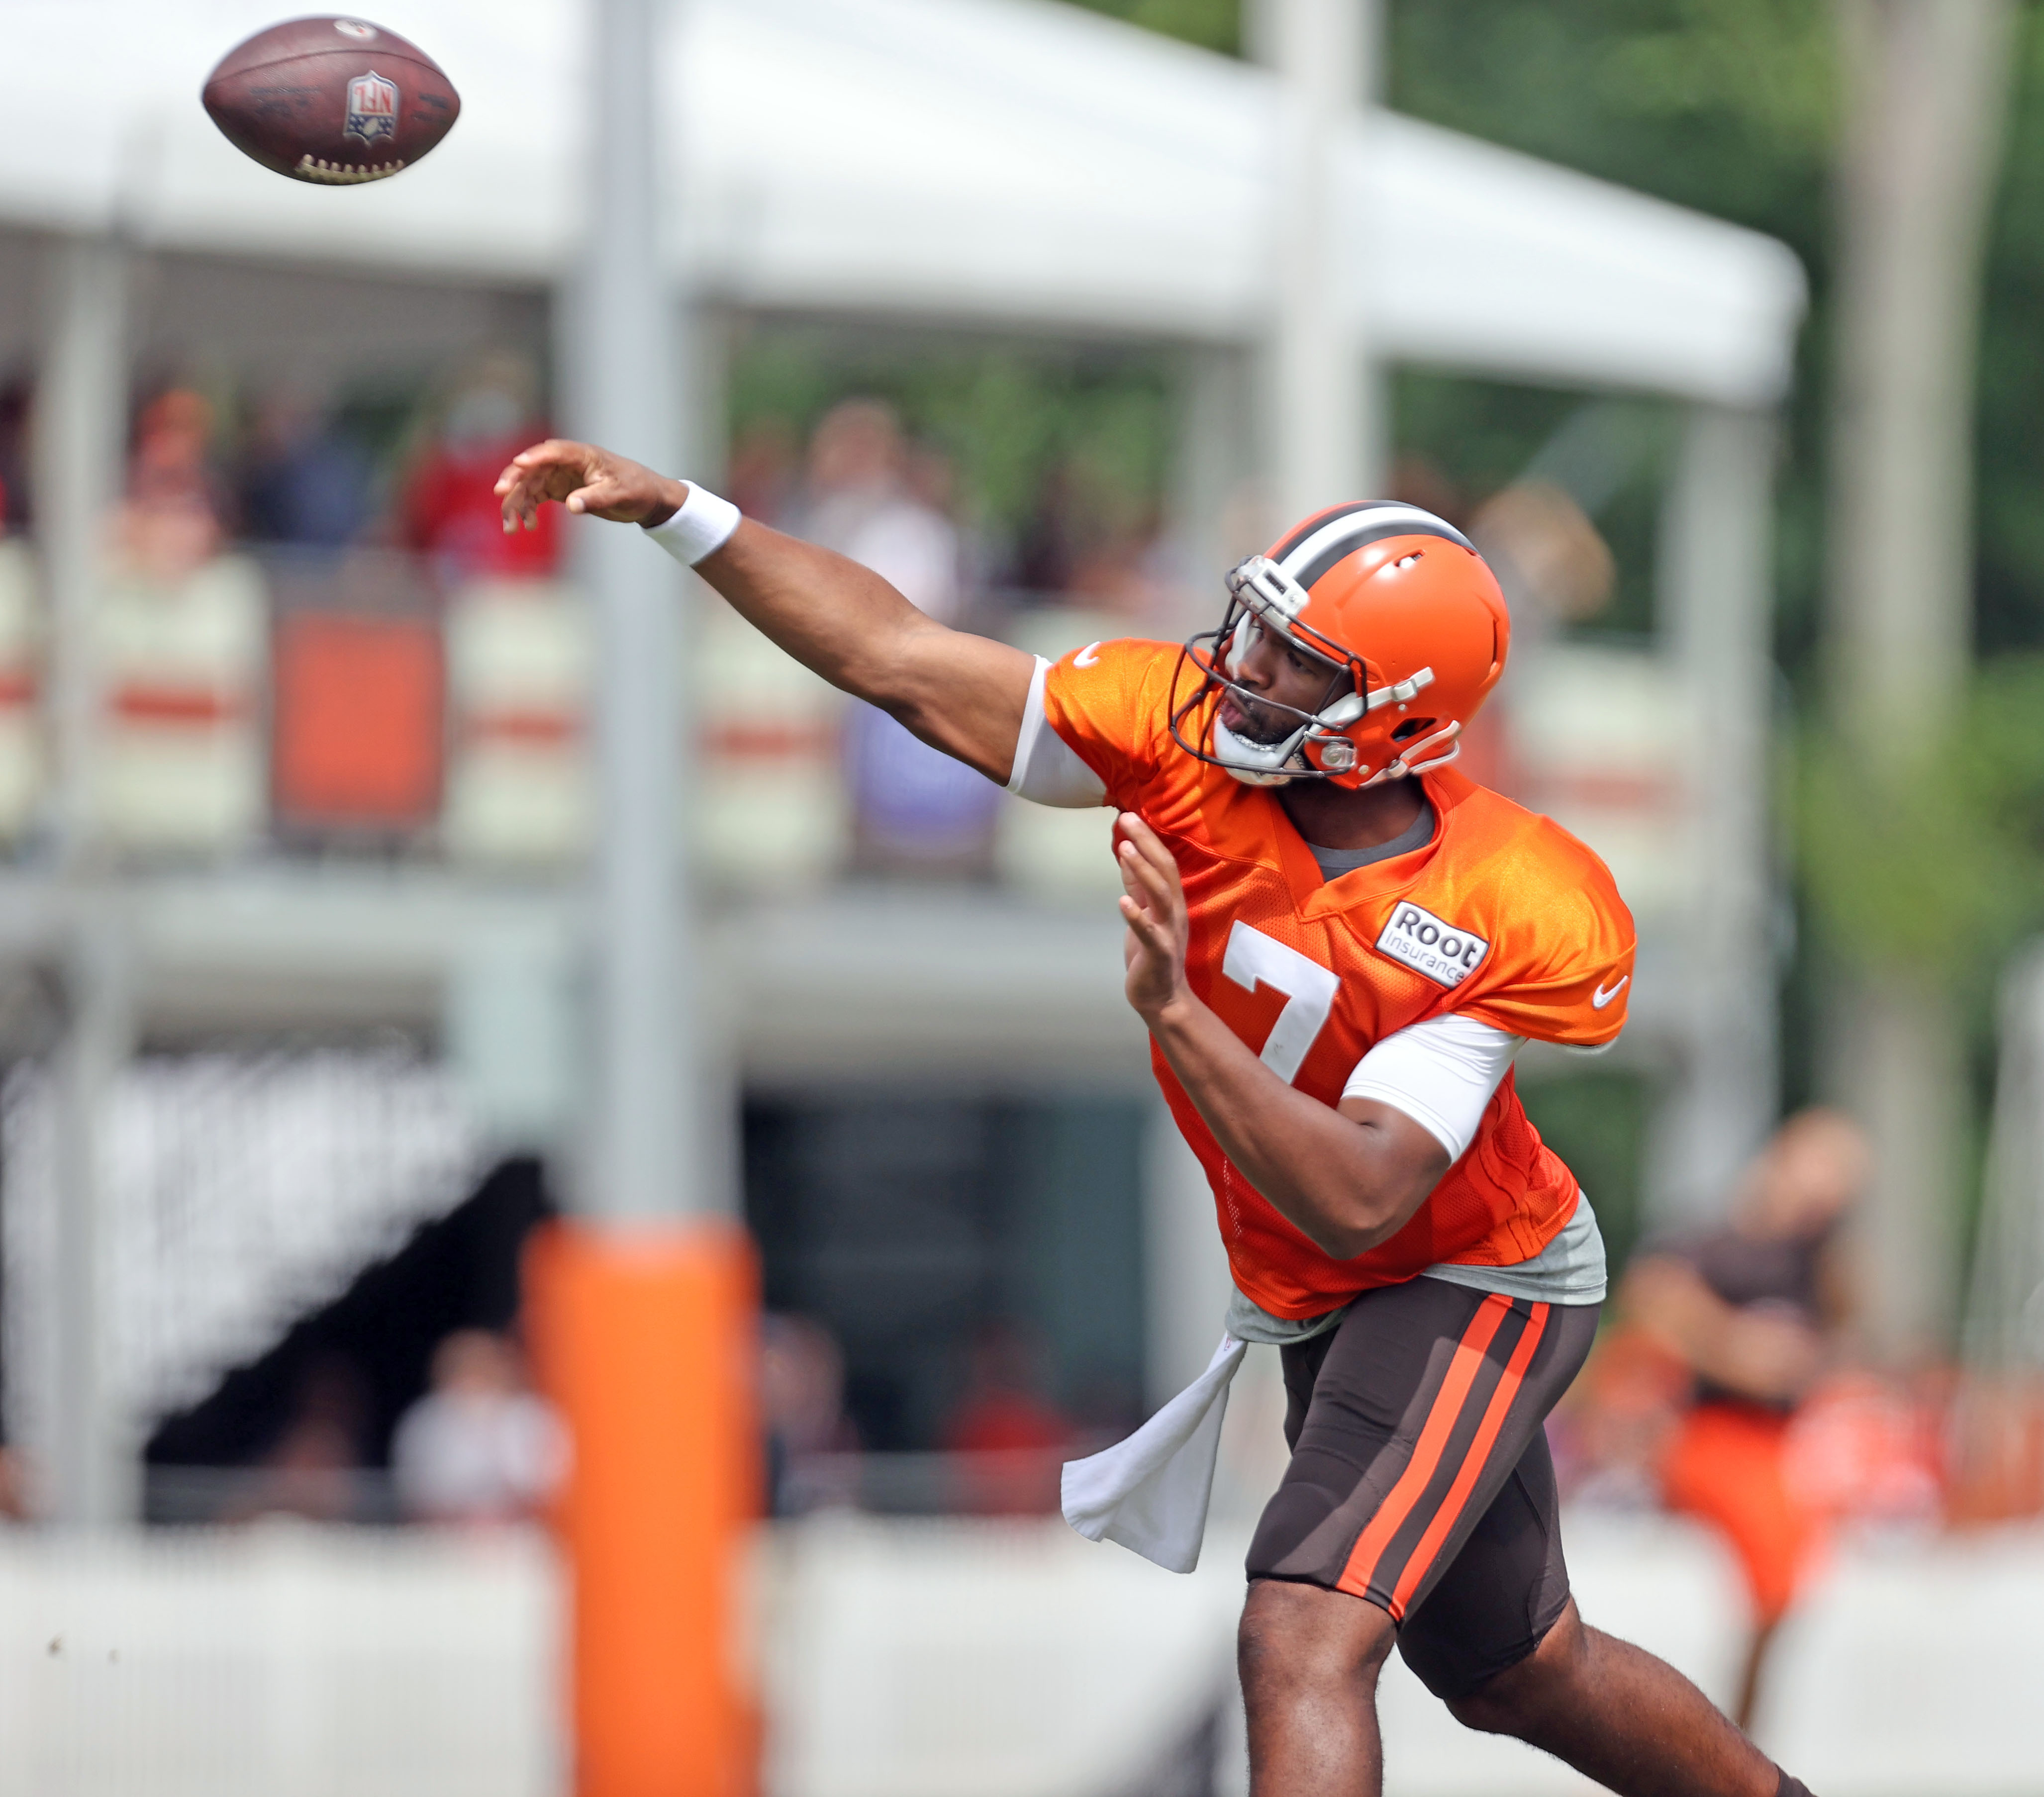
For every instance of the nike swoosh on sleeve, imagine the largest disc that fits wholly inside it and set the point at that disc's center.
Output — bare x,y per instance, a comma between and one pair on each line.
1087,656
1603,995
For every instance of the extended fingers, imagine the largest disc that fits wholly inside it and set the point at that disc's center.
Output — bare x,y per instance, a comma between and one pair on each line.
1148,845
1149,885
599,495
1146,927
553,470
1142,856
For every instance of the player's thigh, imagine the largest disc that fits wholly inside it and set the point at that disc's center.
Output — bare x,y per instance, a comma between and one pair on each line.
1425,1397
1494,1603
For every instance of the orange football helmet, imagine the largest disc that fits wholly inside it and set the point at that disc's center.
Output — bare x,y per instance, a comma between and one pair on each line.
1405,613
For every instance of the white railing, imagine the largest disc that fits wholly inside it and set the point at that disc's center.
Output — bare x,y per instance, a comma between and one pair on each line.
279,1662
923,1658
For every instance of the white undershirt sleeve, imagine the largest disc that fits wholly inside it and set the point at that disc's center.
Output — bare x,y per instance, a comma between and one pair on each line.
1441,1073
1048,769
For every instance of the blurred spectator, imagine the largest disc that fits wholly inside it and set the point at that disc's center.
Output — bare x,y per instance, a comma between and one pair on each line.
801,1403
1611,1433
1755,1311
1088,542
315,1468
764,465
449,504
857,499
1011,1440
1997,1427
1047,549
1420,480
1554,567
302,480
13,1487
17,401
480,1446
167,526
912,805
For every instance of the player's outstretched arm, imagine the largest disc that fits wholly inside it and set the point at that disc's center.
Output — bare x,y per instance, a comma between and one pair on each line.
1349,1177
961,693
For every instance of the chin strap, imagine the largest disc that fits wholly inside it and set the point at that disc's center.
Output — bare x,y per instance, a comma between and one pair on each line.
1421,757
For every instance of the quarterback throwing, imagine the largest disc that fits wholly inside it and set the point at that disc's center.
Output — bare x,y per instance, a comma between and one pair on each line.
1338,945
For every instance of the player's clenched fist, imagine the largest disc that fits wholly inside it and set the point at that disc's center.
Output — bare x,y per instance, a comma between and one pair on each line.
585,478
1154,908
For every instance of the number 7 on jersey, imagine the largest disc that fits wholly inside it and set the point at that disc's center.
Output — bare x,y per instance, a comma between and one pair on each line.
1254,959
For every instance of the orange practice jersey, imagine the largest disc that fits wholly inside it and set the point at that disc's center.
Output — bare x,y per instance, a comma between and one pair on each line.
1504,917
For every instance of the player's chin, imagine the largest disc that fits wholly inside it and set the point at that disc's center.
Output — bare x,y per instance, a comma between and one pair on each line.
1255,727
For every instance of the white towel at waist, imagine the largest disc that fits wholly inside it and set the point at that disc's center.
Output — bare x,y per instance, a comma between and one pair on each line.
1150,1492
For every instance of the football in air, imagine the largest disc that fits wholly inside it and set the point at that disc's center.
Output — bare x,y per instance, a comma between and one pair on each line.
336,101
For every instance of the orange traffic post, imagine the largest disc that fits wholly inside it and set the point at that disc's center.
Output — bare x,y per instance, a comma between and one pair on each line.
645,1337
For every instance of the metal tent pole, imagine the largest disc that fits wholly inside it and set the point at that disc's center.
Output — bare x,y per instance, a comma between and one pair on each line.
1714,578
641,1303
622,392
1322,407
86,1449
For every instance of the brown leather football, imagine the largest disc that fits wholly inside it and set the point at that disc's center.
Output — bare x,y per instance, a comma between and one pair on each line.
334,101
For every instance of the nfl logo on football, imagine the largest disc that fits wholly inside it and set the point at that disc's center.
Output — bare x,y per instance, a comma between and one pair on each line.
372,108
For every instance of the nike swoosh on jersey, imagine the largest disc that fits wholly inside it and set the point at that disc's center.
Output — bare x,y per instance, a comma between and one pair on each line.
1603,995
1086,657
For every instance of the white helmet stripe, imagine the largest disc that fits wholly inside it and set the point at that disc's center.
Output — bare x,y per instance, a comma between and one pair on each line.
1312,556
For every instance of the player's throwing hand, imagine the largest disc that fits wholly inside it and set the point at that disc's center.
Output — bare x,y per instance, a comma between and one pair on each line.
585,478
1153,907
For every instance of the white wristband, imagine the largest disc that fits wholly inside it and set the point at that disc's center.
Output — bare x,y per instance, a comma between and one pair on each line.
703,526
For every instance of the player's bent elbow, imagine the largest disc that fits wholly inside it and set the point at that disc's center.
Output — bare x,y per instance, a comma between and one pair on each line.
1351,1223
1343,1238
1344,1244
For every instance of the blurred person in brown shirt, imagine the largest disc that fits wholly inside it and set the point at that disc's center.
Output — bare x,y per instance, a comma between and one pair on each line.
1756,1310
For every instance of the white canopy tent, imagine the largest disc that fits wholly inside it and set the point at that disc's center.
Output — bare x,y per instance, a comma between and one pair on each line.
1004,161
1000,164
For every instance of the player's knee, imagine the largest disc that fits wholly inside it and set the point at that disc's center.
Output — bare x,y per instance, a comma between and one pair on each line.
1297,1636
1509,1703
1483,1711
1514,1701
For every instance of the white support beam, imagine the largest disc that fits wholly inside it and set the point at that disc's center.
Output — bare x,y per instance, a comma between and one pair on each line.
81,421
88,1447
1717,612
621,365
1212,522
1322,436
86,1452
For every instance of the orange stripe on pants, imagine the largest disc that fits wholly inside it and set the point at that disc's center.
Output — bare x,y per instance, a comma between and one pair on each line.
1397,1506
1472,1462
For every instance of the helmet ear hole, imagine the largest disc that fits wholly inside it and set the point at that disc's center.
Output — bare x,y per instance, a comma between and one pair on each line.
1411,727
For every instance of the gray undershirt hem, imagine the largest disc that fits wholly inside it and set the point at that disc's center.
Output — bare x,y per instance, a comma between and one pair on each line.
1570,1270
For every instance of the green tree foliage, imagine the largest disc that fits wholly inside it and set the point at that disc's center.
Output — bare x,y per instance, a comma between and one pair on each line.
1727,105
1732,106
2010,466
1008,416
1939,867
1213,24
